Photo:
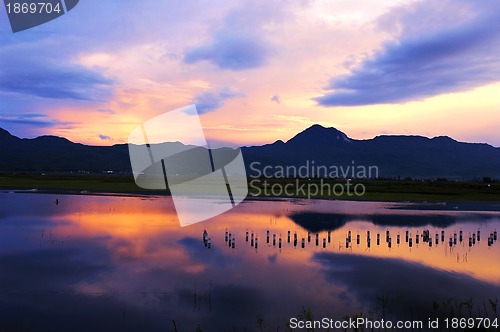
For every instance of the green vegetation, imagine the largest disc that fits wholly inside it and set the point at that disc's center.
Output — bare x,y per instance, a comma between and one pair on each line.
375,189
70,182
384,189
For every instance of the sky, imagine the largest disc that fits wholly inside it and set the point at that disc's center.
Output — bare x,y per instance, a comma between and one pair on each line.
258,71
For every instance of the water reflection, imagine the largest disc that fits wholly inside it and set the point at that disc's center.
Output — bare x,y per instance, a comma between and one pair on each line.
123,263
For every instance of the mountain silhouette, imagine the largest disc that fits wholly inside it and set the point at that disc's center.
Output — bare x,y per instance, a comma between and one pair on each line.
52,153
394,156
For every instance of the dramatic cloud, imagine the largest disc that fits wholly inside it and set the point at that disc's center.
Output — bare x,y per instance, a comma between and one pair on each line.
240,42
48,79
433,55
210,101
32,119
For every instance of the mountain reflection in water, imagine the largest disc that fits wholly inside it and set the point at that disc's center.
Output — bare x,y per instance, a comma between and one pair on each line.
123,263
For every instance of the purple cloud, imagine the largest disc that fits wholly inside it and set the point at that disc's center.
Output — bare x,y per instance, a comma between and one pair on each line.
106,111
276,99
105,137
39,120
212,100
231,51
450,56
44,78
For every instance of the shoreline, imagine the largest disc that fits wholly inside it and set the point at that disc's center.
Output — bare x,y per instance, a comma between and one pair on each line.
439,194
423,205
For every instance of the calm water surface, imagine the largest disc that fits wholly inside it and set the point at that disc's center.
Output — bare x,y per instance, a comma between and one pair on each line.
105,263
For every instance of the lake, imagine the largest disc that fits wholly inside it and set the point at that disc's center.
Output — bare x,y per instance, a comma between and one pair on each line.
117,263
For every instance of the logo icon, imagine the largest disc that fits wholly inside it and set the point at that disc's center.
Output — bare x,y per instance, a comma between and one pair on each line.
27,14
170,151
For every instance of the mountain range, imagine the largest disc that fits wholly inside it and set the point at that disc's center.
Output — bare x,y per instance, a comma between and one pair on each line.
394,156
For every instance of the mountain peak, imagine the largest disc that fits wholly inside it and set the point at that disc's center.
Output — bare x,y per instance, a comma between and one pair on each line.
444,139
317,134
53,139
316,126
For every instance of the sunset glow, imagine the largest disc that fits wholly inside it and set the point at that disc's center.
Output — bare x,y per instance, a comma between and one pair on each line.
257,71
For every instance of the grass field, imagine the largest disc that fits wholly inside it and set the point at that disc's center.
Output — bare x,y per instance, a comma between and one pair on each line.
70,182
375,189
395,190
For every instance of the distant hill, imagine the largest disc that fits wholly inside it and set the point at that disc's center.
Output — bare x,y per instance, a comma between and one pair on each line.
51,153
403,156
395,156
